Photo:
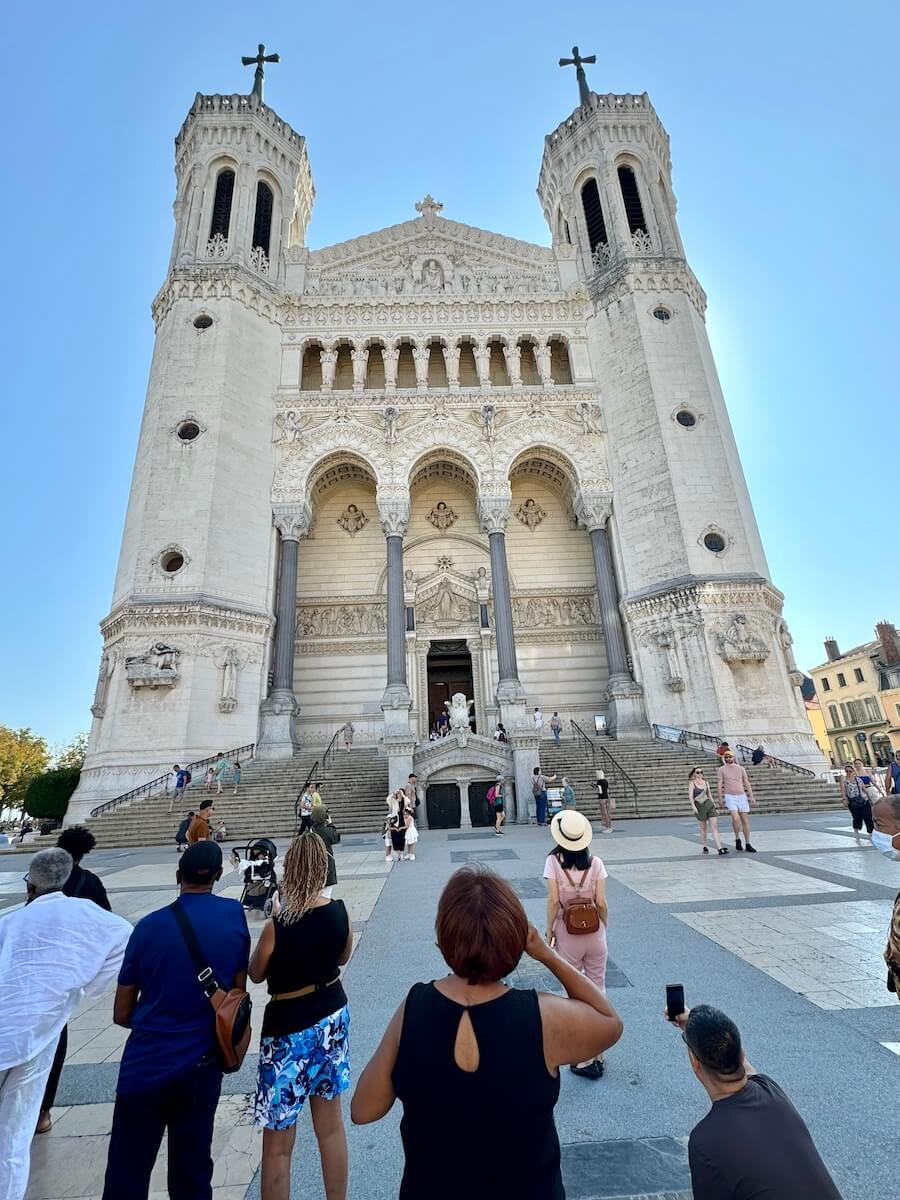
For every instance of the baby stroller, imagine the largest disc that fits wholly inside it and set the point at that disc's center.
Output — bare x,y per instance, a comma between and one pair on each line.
257,862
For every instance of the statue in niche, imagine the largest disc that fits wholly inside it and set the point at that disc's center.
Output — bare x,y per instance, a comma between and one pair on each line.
107,662
738,644
489,421
666,643
442,516
530,514
230,667
445,604
288,427
391,417
352,519
589,415
433,276
787,643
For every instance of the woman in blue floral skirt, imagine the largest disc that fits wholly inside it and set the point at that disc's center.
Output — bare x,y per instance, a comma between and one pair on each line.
304,1050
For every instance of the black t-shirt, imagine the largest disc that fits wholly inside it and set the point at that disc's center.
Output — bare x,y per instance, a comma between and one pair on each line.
85,885
306,951
754,1145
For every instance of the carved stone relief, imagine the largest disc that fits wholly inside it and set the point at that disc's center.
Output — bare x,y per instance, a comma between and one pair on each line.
157,668
740,644
445,606
442,516
530,514
229,663
288,427
352,519
541,612
341,620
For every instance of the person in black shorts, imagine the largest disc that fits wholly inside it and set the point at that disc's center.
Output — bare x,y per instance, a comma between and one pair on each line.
498,807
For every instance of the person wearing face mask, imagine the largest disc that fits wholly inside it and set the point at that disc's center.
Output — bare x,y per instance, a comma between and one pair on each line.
886,838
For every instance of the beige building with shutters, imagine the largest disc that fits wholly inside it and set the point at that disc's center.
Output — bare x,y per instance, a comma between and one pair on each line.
433,461
859,692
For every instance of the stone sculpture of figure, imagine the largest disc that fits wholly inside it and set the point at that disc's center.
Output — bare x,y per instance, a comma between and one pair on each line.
442,516
489,421
328,359
513,354
391,417
420,358
445,604
481,579
432,276
530,514
738,644
288,427
390,357
352,519
482,354
666,643
787,645
542,356
230,666
359,357
459,707
107,661
589,415
451,362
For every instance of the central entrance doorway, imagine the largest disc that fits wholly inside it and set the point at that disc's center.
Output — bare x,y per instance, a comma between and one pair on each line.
449,666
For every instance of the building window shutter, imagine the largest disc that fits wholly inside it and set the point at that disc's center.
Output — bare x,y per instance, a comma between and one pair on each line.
593,215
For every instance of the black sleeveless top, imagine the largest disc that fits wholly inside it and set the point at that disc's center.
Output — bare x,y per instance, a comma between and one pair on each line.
436,1094
307,951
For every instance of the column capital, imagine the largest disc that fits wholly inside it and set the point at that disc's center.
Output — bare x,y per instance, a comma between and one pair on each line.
292,520
593,509
394,515
493,513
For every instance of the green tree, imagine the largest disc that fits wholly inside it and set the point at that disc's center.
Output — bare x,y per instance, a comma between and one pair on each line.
73,754
23,755
47,794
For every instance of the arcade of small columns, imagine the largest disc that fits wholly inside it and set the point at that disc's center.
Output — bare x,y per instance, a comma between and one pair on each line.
435,362
294,522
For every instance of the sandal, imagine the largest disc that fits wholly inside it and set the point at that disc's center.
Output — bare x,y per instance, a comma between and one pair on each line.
723,849
44,1125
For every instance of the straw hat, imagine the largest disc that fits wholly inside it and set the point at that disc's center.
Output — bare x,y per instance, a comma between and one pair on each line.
570,830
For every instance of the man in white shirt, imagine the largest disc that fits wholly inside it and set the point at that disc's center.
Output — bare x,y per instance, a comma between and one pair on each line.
54,952
538,720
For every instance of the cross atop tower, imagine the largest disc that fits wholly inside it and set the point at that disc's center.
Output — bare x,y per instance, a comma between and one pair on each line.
260,58
576,61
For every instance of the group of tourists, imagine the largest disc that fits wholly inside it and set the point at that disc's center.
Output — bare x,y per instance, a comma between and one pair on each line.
216,776
401,835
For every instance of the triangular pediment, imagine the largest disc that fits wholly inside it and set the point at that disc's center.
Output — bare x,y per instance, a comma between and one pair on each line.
428,256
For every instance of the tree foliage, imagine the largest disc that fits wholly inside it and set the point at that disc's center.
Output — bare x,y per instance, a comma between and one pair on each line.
23,755
73,754
47,795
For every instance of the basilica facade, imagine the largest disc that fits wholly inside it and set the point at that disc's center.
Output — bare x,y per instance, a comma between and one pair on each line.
433,461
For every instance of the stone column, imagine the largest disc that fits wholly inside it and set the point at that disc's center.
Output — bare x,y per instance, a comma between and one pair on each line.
277,711
626,718
513,355
465,816
399,738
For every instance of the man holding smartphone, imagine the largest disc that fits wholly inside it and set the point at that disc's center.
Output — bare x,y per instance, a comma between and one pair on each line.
752,1142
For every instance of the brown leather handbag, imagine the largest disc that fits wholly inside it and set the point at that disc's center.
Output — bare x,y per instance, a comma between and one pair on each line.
580,914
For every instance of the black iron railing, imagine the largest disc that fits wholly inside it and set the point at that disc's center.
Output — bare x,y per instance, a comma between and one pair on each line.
706,741
621,785
161,782
317,771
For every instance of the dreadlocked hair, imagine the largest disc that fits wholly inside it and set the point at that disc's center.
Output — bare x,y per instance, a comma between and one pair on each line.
304,875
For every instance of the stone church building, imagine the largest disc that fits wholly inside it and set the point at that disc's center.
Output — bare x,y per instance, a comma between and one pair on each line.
433,460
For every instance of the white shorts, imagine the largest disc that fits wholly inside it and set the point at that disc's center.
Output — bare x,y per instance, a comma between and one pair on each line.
737,803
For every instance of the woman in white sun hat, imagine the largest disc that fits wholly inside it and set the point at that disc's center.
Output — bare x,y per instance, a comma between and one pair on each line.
577,911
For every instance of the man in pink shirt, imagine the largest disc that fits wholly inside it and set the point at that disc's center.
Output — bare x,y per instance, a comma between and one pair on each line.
736,791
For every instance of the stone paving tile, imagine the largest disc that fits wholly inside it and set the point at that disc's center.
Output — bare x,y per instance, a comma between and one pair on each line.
470,856
146,875
863,864
769,840
618,847
714,878
800,947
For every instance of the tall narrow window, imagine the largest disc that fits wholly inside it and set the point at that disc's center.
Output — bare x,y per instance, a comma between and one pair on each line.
221,215
262,224
632,199
593,214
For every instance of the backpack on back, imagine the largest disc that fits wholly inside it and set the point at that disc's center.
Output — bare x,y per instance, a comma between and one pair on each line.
492,795
580,914
536,787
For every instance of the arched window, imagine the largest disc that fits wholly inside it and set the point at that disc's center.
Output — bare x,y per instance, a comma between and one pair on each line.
262,223
560,367
221,214
631,198
593,214
311,368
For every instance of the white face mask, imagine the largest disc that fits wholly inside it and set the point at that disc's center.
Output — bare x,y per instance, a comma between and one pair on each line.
884,843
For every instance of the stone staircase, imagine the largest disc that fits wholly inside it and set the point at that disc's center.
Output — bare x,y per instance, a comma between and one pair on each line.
353,786
660,771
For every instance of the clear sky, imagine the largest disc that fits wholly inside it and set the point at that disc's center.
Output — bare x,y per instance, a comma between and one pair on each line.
783,119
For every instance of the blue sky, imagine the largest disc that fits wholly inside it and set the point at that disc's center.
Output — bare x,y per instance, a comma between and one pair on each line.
783,123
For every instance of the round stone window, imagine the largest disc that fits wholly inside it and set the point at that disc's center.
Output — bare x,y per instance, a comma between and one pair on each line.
686,418
188,430
171,561
204,321
714,542
662,313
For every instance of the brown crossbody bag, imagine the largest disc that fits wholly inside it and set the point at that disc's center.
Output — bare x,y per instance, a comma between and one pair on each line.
580,915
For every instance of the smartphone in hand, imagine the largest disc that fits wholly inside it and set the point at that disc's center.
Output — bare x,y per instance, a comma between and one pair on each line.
674,1000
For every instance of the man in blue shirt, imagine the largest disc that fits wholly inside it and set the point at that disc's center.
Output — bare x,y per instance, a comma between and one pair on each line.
171,1072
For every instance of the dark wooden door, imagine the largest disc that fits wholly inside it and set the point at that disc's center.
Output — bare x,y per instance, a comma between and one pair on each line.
479,809
442,805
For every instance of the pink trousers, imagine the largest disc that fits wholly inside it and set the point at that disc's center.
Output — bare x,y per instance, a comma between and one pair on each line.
585,951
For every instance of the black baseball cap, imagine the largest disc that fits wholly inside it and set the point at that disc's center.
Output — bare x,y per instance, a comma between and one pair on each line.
200,863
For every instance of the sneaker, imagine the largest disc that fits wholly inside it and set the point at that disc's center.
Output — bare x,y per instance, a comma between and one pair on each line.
738,844
706,849
723,850
751,849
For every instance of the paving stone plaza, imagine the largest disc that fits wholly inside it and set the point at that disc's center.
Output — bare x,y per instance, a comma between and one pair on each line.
788,943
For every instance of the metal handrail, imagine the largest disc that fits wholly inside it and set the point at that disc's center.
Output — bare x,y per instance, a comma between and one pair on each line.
161,782
741,752
314,774
615,767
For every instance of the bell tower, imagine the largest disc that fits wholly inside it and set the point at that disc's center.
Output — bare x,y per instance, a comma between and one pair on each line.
186,644
693,581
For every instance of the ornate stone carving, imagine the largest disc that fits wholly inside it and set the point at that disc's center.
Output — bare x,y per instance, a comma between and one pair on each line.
391,417
341,620
352,519
229,664
601,256
288,427
795,675
642,241
543,612
444,562
739,644
589,416
428,208
158,668
444,606
359,358
593,510
394,515
258,261
328,360
292,520
442,516
217,247
489,421
530,513
459,707
666,642
107,665
493,513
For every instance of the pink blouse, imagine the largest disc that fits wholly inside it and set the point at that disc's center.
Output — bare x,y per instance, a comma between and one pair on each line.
553,869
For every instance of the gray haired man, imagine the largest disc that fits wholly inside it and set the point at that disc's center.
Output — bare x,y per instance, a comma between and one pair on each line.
54,952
